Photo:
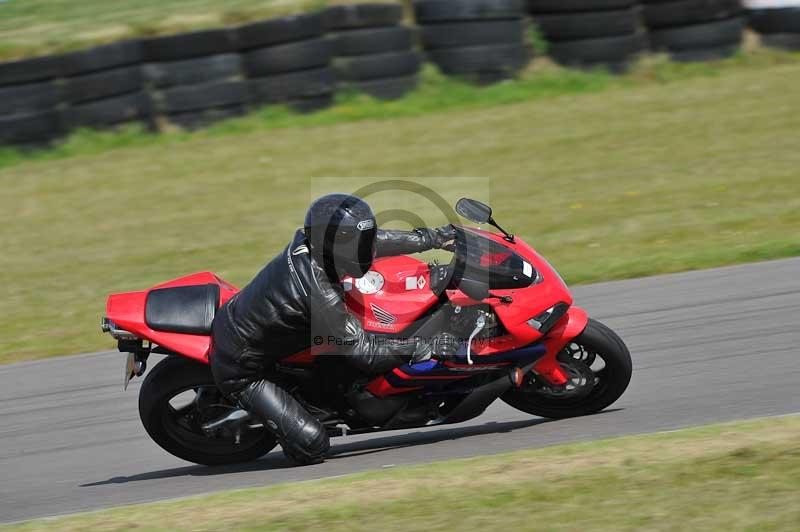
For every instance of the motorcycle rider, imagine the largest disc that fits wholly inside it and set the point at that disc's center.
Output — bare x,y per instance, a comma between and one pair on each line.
297,296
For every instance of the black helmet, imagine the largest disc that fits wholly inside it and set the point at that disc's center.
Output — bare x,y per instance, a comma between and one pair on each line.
341,230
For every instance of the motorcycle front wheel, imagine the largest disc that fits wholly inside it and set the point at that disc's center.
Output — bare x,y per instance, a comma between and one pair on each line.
598,366
177,396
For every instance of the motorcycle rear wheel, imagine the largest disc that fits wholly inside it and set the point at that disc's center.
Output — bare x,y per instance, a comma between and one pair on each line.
579,359
177,428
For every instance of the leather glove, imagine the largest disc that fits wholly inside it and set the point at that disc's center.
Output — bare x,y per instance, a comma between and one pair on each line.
442,347
439,237
422,352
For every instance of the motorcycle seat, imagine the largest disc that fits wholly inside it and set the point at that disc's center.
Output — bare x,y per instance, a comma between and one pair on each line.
182,309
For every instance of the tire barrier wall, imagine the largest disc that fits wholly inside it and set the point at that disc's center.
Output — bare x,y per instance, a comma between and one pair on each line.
196,78
590,33
288,60
103,87
373,52
695,30
776,21
29,100
480,40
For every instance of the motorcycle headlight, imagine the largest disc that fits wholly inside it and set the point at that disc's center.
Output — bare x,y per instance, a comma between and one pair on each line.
545,321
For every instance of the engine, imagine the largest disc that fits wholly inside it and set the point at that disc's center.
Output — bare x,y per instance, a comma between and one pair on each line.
462,322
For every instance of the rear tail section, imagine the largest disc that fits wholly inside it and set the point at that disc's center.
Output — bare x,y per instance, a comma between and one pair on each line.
175,315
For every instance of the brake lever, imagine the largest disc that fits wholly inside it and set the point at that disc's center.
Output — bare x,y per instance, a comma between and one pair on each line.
480,323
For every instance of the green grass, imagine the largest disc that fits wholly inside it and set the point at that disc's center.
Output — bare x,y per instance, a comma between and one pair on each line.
674,167
33,27
735,476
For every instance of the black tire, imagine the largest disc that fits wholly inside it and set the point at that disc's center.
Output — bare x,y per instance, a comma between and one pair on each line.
26,128
496,58
188,45
435,11
362,16
698,36
780,20
565,6
613,52
364,67
473,33
687,12
193,120
103,84
105,57
193,71
387,88
784,41
288,57
371,41
576,26
29,98
29,70
165,380
203,96
714,53
279,30
109,112
287,87
613,379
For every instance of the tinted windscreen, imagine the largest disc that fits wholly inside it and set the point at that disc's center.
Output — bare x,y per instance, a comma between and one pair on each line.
481,259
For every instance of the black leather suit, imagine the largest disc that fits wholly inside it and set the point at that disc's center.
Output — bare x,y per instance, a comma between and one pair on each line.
277,314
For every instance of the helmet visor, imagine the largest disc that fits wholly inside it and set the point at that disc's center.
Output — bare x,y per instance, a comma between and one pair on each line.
354,249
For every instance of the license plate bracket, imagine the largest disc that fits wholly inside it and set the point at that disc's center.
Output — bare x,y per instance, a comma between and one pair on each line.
130,369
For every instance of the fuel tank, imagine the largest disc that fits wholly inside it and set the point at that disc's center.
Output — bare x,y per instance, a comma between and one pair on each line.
392,295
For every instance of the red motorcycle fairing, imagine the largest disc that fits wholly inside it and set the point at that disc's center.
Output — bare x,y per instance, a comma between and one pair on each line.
410,378
127,310
538,298
526,303
392,295
432,375
548,290
396,292
568,327
389,299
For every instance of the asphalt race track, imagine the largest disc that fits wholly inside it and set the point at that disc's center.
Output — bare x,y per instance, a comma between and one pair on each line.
707,346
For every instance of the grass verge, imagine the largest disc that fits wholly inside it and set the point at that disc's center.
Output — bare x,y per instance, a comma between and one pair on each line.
674,168
734,476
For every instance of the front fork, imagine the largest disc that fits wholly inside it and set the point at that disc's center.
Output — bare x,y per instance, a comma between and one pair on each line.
569,326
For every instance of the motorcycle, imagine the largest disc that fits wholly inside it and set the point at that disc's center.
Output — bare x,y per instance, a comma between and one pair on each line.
524,342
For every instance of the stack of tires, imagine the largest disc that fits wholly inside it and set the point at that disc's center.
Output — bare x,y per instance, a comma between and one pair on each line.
29,96
590,33
287,60
479,40
694,30
374,54
776,21
103,87
195,78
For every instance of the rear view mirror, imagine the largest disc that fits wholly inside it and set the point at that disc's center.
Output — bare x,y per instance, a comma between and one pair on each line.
474,210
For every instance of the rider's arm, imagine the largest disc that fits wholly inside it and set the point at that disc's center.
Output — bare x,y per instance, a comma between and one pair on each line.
393,242
330,319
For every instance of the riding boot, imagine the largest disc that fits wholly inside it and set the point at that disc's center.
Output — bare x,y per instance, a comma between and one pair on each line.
302,436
